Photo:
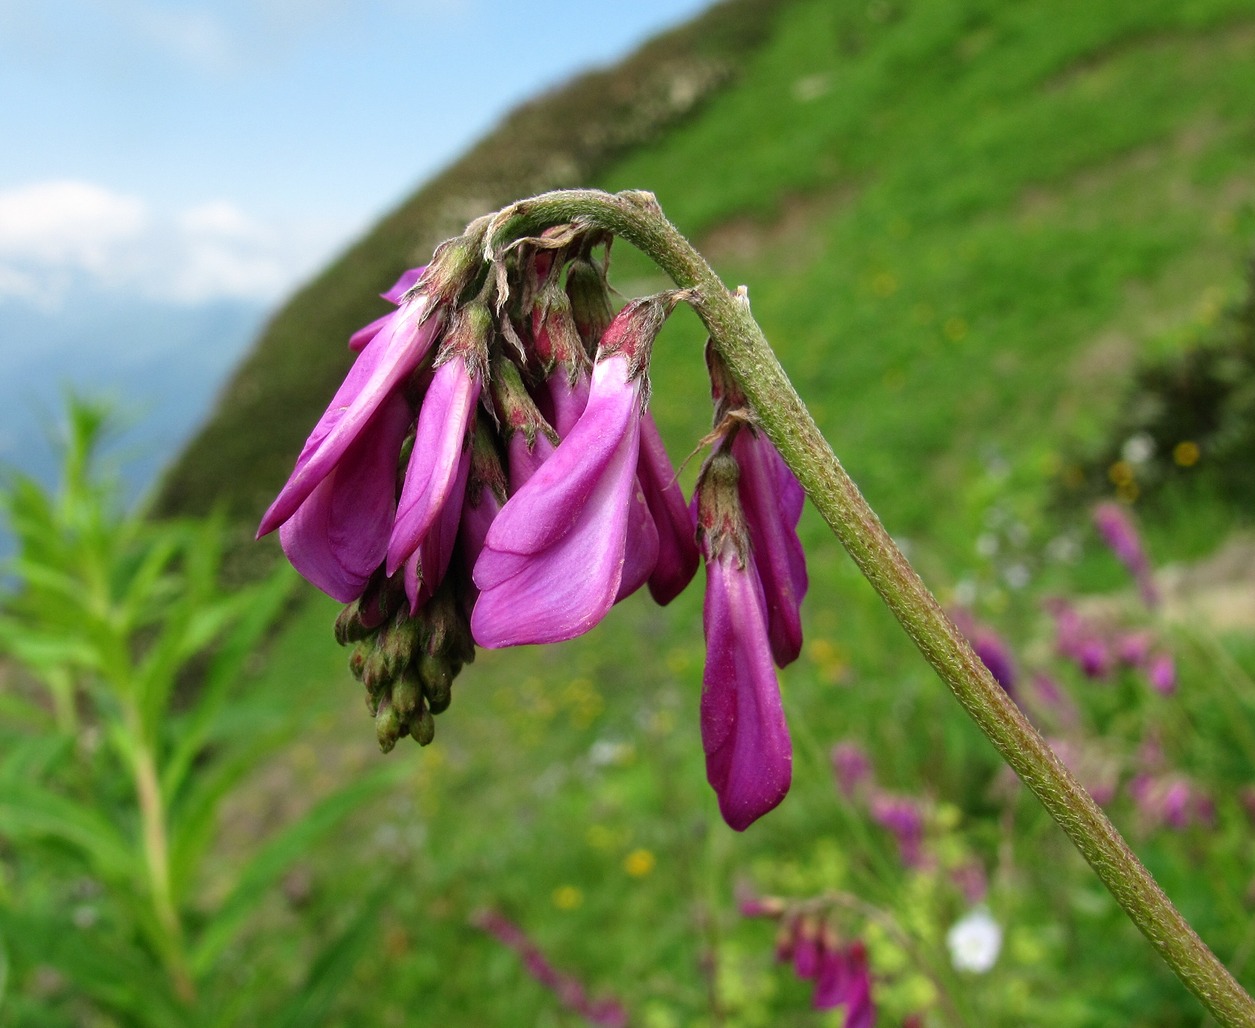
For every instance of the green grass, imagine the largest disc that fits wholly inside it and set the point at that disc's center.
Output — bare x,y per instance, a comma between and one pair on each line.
960,223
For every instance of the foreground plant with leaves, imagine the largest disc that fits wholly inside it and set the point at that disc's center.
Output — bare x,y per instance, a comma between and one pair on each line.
584,538
125,730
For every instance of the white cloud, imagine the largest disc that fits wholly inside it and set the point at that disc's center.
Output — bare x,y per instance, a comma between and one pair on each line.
58,222
58,236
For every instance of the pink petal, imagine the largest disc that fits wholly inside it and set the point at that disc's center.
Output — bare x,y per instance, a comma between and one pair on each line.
553,559
564,402
778,553
359,339
404,284
749,758
540,514
677,546
525,461
440,445
426,568
640,545
379,370
478,514
339,534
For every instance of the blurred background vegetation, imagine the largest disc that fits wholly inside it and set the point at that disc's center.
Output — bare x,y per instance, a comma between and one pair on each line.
1003,252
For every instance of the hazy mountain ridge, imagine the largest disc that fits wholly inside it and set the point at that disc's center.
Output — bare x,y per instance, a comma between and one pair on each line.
158,364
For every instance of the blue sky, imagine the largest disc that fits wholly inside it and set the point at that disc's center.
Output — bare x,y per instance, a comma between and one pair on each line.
209,149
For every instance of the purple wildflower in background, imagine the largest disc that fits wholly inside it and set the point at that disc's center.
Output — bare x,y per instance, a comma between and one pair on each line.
1171,800
1080,642
807,940
605,1012
992,650
903,816
772,501
1161,672
1118,531
844,980
852,768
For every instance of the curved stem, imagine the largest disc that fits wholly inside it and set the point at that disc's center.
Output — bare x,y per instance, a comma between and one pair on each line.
637,218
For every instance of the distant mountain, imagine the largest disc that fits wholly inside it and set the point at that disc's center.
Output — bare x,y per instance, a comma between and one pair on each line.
160,365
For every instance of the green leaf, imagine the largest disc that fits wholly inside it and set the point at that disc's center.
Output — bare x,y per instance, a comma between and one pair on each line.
258,609
4,972
265,869
30,811
117,975
333,966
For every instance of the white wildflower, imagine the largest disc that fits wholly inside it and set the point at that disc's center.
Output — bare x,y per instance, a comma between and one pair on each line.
974,941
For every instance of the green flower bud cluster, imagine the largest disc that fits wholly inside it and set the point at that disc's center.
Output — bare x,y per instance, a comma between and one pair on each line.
406,662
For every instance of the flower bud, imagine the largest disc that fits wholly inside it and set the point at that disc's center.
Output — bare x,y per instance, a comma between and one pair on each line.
387,727
422,727
436,675
591,309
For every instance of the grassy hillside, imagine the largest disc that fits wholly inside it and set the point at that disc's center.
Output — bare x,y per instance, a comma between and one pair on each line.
961,223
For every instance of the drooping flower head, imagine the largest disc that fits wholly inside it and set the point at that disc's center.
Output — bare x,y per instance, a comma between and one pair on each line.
489,474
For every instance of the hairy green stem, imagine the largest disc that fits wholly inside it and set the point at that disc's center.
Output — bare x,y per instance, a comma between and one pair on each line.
637,218
156,846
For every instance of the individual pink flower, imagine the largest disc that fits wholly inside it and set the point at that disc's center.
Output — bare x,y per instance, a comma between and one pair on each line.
435,479
772,500
346,472
445,421
578,535
553,559
749,757
1119,532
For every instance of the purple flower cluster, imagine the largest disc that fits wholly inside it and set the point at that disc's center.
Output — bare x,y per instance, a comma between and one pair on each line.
1099,648
608,1013
489,475
808,940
